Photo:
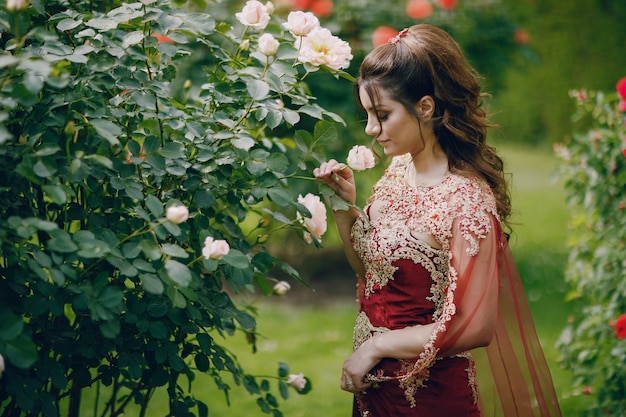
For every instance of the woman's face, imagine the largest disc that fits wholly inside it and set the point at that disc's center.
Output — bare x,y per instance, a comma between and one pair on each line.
395,129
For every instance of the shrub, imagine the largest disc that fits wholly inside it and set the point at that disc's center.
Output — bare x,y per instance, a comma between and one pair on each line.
133,202
594,169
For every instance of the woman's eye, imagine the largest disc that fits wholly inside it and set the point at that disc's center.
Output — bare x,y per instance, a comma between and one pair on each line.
382,117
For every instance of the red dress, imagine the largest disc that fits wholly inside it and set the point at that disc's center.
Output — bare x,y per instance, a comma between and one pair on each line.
438,255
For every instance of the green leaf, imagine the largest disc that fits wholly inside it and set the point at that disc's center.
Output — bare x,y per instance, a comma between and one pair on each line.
281,197
246,321
154,205
110,328
176,297
68,24
177,272
107,129
152,284
174,250
21,352
11,326
243,142
258,89
110,297
236,259
56,193
61,242
132,38
278,162
324,132
283,370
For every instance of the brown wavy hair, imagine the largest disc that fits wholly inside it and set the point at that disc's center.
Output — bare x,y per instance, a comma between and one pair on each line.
425,60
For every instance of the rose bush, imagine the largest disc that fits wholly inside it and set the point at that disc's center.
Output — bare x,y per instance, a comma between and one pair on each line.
146,154
594,169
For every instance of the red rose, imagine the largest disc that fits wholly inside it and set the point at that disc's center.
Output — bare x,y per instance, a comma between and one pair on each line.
321,8
521,36
382,34
621,88
587,390
620,326
447,4
419,9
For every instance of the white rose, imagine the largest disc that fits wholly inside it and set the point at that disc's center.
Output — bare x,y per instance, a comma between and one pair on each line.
301,23
297,381
320,47
16,5
215,249
268,45
316,224
281,288
361,158
254,14
177,214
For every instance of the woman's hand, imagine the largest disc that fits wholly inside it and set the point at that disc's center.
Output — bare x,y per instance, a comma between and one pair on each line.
357,366
339,177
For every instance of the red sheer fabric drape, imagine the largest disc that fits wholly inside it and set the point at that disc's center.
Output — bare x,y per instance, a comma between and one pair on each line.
517,365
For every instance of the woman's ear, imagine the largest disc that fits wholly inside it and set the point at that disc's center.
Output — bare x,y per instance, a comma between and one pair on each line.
425,107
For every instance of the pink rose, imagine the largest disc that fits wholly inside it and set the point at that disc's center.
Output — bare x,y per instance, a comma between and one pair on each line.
621,88
177,214
622,105
281,288
268,45
320,47
297,381
316,224
301,23
215,249
361,158
254,14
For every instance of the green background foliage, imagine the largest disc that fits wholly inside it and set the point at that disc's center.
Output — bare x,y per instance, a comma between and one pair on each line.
594,169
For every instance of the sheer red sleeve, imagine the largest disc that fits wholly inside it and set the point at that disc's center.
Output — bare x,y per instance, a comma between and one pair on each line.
514,377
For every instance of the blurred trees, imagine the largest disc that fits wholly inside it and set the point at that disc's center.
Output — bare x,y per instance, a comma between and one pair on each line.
576,45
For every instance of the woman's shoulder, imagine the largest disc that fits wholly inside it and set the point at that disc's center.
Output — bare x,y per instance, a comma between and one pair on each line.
467,190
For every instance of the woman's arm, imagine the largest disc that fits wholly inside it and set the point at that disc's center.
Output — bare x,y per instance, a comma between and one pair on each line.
341,179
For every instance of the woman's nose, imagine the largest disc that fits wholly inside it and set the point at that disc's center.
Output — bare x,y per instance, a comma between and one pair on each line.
372,127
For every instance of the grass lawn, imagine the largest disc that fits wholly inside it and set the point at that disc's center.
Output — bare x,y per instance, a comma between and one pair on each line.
316,338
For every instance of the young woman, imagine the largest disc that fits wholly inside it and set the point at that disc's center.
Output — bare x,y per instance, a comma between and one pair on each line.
436,278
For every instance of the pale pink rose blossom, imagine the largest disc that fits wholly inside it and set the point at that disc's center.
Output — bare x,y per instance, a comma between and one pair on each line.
268,45
316,224
622,105
215,249
361,158
254,14
177,214
320,47
301,23
269,6
16,5
281,288
1,364
297,381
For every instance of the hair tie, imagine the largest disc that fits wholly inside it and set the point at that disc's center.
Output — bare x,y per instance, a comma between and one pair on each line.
396,38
